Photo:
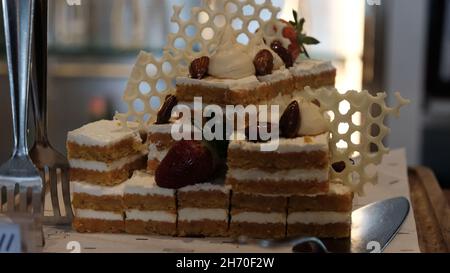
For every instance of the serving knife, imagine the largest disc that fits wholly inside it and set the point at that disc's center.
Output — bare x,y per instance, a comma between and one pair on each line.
373,228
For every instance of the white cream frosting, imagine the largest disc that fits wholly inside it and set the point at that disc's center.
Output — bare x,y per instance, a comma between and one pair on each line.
154,153
142,183
245,83
96,190
312,121
96,214
287,145
230,61
276,76
103,133
206,187
259,217
304,67
199,214
153,215
102,166
321,217
287,175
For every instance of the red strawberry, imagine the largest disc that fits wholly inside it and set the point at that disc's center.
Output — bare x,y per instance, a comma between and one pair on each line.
188,162
289,32
293,31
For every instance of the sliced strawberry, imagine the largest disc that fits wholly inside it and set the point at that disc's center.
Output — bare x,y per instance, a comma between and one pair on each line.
188,162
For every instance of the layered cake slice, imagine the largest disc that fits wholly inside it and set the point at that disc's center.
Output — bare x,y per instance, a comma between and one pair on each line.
95,197
258,216
299,164
93,221
323,215
97,208
149,208
105,153
203,209
258,73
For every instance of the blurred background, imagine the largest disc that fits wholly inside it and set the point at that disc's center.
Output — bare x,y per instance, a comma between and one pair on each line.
379,45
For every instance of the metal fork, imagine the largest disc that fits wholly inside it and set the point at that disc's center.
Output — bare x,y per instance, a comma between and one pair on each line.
18,175
44,156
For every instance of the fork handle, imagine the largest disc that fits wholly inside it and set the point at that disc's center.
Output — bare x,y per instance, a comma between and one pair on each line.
18,44
39,71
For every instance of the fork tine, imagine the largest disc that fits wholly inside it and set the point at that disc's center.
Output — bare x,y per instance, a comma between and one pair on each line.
11,199
36,201
54,191
1,197
38,206
23,202
65,183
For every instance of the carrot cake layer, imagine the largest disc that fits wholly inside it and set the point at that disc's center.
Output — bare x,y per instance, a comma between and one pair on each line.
104,141
208,228
93,221
150,222
150,209
94,197
322,215
142,193
203,209
204,195
202,222
104,174
339,198
310,152
281,187
258,203
319,224
255,90
258,224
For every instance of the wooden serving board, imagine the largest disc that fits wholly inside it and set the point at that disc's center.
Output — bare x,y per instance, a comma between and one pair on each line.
431,211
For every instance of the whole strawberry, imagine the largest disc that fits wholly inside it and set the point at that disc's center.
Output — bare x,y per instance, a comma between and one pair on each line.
293,31
188,162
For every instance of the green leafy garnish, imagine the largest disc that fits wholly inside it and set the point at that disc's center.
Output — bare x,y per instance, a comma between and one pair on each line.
302,38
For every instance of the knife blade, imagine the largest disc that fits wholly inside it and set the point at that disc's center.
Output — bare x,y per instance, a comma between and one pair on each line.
375,225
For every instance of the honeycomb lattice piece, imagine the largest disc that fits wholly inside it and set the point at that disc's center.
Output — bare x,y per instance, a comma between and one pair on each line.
151,80
364,121
199,35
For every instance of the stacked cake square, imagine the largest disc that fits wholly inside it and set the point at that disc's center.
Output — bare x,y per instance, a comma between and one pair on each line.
102,155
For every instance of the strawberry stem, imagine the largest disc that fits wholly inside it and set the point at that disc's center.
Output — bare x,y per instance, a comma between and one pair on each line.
302,38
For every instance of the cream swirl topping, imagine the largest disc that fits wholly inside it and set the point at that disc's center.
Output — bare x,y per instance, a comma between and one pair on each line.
230,61
313,122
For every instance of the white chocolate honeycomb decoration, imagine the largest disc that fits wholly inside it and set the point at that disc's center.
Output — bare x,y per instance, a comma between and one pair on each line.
357,132
150,82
